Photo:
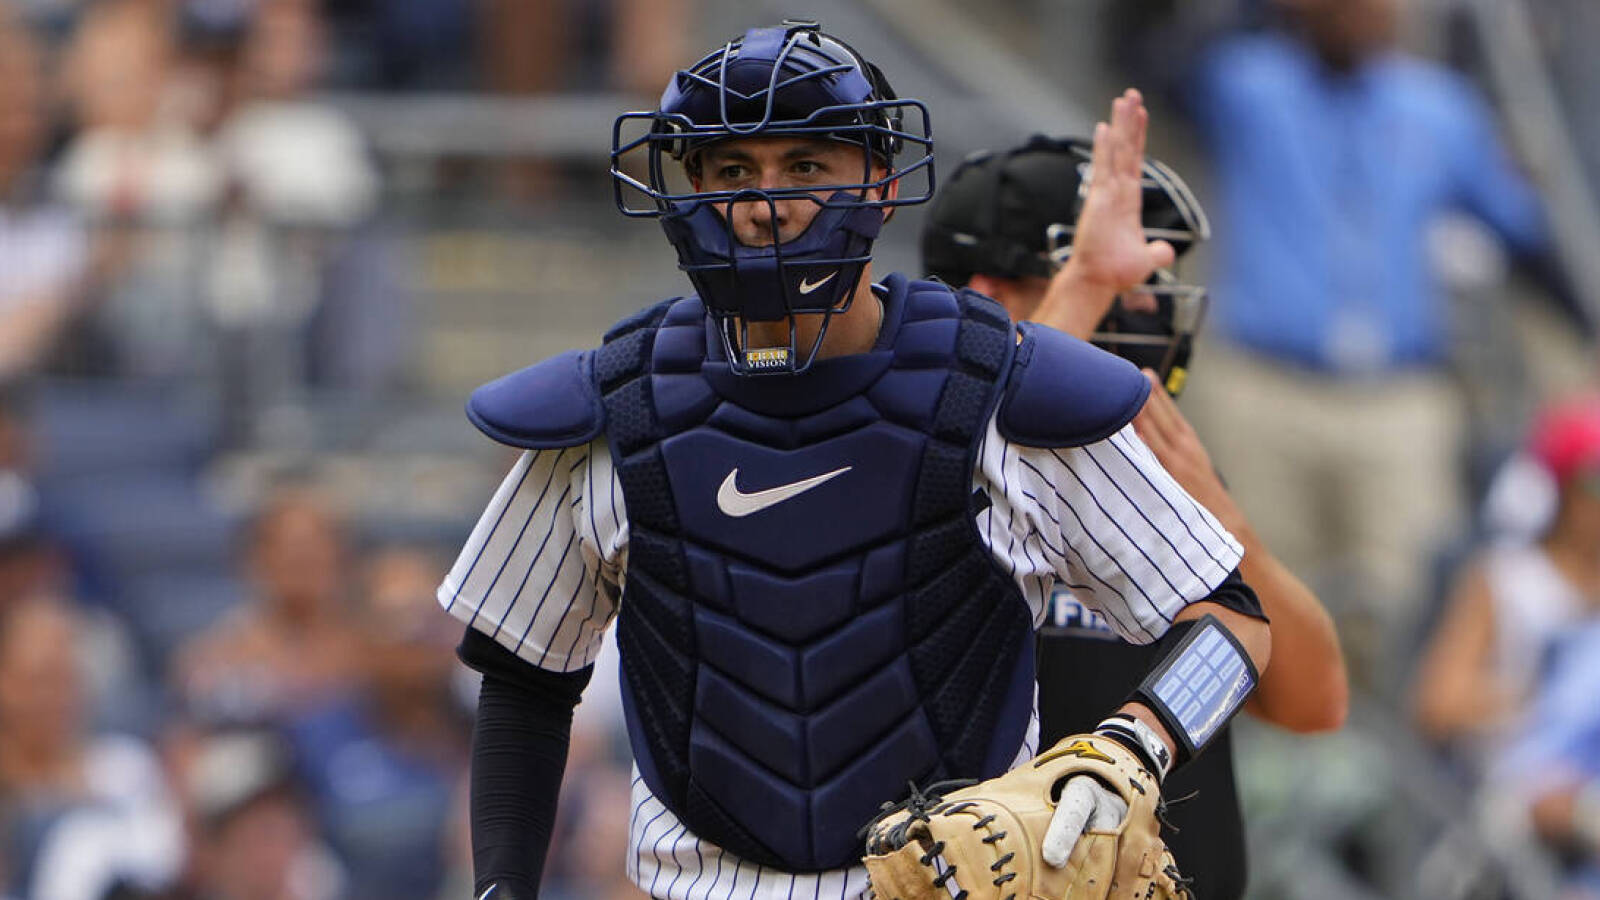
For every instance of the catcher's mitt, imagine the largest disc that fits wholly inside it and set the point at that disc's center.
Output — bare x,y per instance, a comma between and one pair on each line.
983,842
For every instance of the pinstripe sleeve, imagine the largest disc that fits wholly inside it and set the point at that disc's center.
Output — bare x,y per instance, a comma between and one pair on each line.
1107,521
541,572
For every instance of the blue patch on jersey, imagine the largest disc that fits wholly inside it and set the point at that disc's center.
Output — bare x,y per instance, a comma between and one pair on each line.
1066,615
1065,392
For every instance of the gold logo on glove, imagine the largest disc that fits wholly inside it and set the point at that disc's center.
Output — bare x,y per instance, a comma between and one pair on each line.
1080,748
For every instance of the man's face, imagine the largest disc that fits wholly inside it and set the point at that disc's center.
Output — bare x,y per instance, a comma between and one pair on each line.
772,163
41,688
298,556
1348,31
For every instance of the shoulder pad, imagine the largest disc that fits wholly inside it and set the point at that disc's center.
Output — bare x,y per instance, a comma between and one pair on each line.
1064,392
549,404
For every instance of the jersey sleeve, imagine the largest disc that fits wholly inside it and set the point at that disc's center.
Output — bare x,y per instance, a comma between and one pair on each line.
1108,522
542,570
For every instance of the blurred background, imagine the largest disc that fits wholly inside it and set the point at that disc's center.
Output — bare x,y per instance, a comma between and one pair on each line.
255,253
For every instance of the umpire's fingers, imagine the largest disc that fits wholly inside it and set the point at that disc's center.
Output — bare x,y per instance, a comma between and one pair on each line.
1162,255
1103,158
1131,132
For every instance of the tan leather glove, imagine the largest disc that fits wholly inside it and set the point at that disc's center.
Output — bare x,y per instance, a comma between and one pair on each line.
985,842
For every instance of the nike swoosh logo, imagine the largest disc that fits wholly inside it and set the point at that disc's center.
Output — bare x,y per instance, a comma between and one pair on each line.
738,504
807,286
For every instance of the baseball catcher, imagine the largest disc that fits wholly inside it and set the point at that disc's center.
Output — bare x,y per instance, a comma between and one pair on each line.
824,508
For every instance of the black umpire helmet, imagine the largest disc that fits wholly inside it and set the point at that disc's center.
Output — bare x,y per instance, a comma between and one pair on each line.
1013,215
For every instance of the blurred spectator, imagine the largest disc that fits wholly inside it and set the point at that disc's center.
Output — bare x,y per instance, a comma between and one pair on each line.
457,881
31,561
1553,768
291,262
533,47
530,45
138,153
588,851
518,46
420,45
36,561
383,762
590,854
297,162
227,193
43,553
294,644
1334,154
43,251
140,170
84,812
251,834
1519,501
41,548
1484,663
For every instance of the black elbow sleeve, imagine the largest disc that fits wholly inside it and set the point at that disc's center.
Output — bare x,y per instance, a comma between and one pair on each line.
519,753
1234,594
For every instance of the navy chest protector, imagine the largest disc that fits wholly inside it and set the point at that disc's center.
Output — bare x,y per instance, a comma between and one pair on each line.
810,618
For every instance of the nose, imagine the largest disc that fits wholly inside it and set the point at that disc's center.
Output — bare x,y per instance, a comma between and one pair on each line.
760,221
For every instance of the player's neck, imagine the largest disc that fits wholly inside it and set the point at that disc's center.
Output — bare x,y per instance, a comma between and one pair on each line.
855,330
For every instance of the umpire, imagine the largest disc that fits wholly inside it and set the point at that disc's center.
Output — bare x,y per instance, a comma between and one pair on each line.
1003,225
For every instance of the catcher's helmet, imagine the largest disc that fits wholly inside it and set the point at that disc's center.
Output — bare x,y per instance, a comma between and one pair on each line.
1013,214
789,81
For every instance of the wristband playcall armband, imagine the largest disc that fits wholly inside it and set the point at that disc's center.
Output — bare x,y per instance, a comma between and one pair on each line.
1199,686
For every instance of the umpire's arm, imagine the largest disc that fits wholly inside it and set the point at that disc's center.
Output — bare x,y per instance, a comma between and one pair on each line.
1307,691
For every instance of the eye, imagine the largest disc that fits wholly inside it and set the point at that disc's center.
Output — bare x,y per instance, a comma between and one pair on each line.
731,172
807,167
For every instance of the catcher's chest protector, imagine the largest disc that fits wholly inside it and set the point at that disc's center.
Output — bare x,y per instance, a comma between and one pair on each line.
810,619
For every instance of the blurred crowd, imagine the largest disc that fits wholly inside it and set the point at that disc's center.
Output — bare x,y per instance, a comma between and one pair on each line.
235,688
215,685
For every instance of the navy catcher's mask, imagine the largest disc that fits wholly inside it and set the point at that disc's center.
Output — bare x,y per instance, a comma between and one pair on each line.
788,81
1013,215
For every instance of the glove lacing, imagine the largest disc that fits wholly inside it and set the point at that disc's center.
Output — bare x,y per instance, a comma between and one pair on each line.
919,806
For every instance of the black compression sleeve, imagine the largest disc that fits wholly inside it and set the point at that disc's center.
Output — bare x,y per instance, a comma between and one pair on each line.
519,752
1234,594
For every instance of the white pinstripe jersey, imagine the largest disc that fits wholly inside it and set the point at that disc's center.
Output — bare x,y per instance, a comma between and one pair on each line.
543,570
